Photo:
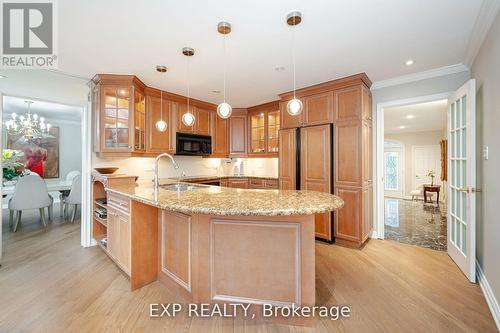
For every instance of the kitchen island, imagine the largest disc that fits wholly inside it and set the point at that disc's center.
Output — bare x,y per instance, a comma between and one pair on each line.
217,244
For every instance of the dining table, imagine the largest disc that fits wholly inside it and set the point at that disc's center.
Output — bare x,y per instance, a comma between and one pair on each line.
53,185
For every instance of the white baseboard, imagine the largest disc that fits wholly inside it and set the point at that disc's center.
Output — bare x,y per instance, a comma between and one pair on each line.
488,294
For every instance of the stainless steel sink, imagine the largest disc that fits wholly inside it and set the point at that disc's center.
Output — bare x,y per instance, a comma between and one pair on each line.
181,187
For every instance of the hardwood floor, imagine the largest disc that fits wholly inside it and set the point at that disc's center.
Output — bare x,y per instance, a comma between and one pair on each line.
48,283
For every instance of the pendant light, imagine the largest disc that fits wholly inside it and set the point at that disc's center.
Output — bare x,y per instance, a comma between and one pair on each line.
188,118
161,125
294,106
224,110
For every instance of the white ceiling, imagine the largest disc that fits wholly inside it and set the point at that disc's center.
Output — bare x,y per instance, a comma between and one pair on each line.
335,39
430,116
50,111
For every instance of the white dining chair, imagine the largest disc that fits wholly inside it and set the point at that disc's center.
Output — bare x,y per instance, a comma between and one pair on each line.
69,177
30,193
75,197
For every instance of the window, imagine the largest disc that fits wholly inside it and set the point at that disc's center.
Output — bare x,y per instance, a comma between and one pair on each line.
391,162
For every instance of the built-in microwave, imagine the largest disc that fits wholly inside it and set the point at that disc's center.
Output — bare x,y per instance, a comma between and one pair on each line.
193,145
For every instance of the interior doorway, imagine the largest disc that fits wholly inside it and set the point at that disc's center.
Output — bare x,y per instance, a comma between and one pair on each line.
46,141
413,203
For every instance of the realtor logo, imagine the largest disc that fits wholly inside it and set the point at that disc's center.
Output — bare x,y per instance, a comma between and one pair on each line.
28,34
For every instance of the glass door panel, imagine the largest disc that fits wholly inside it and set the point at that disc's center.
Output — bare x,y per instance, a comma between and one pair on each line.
116,117
257,133
273,126
139,120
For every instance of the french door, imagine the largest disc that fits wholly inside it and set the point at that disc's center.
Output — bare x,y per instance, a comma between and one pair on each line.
462,178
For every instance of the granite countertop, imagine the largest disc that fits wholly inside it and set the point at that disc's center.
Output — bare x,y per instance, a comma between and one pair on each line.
215,200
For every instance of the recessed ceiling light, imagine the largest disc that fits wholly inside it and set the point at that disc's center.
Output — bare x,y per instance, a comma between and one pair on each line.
161,68
3,77
402,127
409,62
410,116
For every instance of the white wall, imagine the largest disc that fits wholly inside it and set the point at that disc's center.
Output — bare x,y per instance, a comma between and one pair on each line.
486,70
409,140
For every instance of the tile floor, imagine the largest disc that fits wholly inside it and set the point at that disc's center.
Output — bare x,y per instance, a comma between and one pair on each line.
416,223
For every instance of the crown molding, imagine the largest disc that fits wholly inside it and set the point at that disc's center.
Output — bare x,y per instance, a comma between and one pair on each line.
436,72
487,14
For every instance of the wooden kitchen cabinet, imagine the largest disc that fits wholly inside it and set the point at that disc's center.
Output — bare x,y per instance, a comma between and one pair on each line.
263,127
318,110
238,133
118,114
287,166
220,136
159,142
201,125
139,120
237,182
315,166
119,236
287,120
347,104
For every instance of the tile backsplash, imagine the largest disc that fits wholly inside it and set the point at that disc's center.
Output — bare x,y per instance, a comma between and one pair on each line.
191,166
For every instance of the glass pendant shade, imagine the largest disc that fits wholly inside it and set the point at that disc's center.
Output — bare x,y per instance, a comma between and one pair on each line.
224,110
188,119
161,125
294,107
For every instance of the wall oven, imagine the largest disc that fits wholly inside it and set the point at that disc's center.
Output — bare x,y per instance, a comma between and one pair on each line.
193,145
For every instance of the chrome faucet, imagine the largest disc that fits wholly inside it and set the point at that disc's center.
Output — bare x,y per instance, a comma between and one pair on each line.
156,178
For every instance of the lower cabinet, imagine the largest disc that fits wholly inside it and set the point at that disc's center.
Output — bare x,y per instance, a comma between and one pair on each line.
354,221
237,182
119,235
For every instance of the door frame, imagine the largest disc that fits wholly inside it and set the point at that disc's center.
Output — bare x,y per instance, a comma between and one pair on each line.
378,162
85,224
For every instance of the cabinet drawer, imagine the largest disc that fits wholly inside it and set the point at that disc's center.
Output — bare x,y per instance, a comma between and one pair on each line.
256,183
119,202
238,182
271,183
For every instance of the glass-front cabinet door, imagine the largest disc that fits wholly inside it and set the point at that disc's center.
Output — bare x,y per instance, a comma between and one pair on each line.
139,120
257,133
273,127
117,113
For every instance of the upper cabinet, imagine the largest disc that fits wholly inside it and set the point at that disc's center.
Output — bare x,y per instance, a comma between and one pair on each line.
119,114
238,133
318,110
263,127
220,136
139,120
201,125
157,109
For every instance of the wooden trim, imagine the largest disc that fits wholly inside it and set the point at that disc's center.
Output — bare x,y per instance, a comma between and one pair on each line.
360,78
180,99
274,105
118,79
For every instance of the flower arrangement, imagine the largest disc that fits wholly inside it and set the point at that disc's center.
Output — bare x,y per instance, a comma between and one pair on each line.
11,164
431,174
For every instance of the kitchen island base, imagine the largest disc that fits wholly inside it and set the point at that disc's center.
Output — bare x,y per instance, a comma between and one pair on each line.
238,259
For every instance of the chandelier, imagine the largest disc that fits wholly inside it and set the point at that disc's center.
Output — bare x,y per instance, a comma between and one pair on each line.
30,126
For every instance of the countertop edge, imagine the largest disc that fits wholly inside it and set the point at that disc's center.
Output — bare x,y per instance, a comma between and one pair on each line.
228,212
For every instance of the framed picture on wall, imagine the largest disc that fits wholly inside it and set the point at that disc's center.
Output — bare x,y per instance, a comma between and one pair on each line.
41,155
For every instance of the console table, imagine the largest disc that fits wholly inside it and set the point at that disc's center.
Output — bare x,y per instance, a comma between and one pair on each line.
431,188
